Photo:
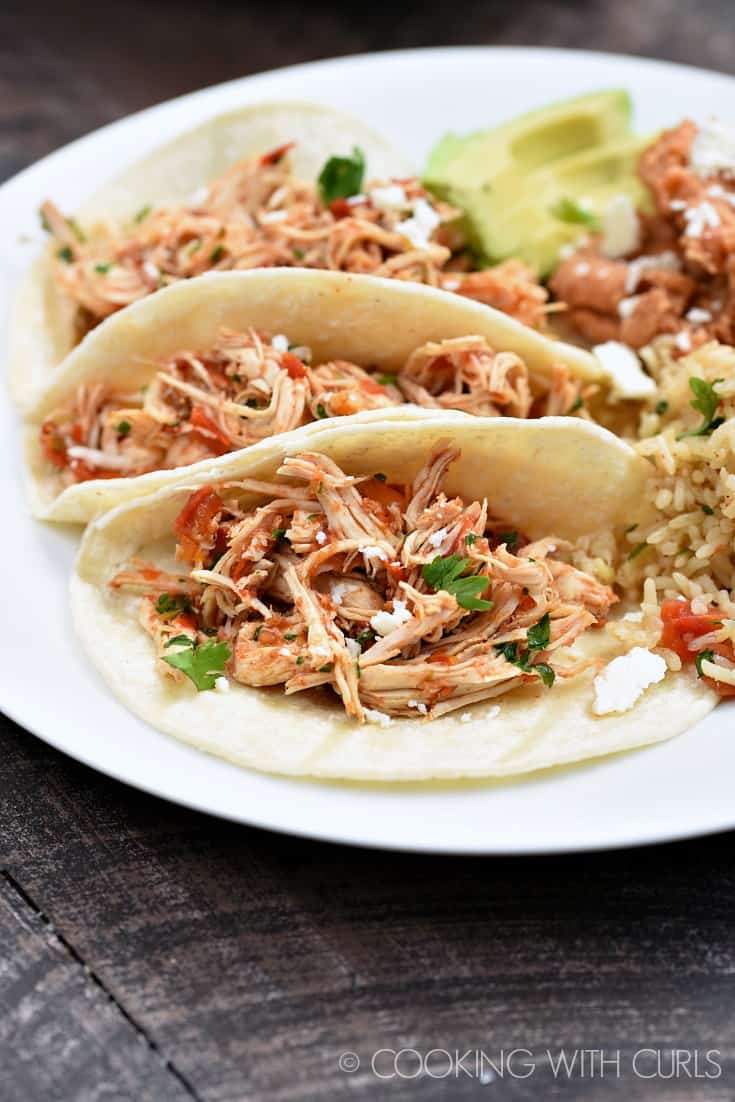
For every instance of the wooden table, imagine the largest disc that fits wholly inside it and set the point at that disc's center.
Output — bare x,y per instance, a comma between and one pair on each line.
150,953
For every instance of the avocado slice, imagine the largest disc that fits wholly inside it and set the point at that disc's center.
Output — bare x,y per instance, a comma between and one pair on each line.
507,180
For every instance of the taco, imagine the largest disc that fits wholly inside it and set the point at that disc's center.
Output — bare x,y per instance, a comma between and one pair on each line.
385,600
216,364
272,185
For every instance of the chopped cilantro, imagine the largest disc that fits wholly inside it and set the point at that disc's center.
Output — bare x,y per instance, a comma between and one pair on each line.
631,528
703,656
321,411
327,669
142,214
202,663
299,254
169,606
195,246
217,254
705,401
522,659
279,534
637,550
290,635
256,633
545,672
65,254
576,404
123,428
570,211
538,636
103,269
387,380
470,538
342,176
365,636
45,224
300,660
510,539
708,510
314,516
446,573
661,407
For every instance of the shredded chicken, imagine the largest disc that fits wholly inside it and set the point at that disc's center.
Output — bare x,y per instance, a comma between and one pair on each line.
402,601
681,278
200,405
258,214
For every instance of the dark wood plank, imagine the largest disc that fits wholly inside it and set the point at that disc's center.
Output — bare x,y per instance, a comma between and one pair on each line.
255,961
250,961
51,1005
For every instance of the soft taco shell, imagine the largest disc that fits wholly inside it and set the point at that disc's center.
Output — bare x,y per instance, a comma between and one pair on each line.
548,477
42,324
369,320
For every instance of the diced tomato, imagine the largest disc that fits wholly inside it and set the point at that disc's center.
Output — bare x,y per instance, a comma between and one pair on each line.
340,208
383,492
77,434
293,365
196,524
682,627
53,446
239,569
371,386
209,428
185,620
277,154
83,472
396,571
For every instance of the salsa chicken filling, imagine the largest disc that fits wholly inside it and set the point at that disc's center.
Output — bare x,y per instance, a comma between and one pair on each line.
259,215
401,600
246,388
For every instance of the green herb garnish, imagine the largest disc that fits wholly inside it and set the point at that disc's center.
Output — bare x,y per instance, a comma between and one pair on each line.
300,660
256,633
321,411
290,635
446,572
365,636
538,636
169,606
637,550
703,656
142,214
708,510
299,254
630,528
522,659
510,539
661,407
342,176
202,663
470,539
326,669
279,534
570,211
103,269
77,230
217,254
65,254
576,404
387,380
705,401
123,428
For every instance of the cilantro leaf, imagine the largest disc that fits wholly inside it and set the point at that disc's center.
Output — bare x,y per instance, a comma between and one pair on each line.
545,672
142,214
202,663
538,636
169,606
661,407
278,535
102,269
342,176
321,411
387,379
470,539
65,254
705,401
570,211
446,573
123,428
510,539
703,656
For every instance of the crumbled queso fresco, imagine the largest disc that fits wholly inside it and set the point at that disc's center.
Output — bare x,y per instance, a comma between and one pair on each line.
624,680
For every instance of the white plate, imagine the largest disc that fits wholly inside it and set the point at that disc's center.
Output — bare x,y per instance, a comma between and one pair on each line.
673,790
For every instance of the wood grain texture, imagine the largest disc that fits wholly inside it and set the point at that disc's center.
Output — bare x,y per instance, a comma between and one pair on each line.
248,962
